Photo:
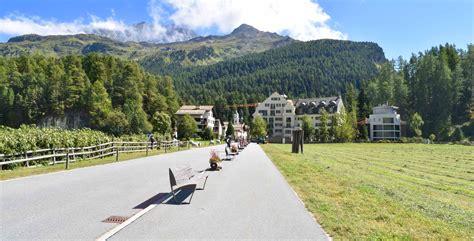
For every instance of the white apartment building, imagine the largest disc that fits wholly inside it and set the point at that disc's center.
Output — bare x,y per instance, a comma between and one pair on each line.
384,123
202,114
279,113
283,115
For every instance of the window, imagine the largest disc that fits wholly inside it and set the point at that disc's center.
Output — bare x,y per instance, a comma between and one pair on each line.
288,125
275,98
272,106
278,119
278,130
387,120
278,124
378,127
267,105
287,131
288,119
263,112
272,113
278,111
288,111
270,120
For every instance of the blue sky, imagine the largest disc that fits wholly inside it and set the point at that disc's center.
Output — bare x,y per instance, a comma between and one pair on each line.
399,27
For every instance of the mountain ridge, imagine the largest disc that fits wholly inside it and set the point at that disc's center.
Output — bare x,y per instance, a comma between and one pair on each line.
196,51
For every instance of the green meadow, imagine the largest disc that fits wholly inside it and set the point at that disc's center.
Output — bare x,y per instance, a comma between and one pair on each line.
384,191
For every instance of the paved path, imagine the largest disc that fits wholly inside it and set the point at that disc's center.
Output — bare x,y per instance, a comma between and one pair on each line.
247,199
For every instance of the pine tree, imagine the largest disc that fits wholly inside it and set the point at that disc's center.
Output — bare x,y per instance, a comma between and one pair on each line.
230,130
100,105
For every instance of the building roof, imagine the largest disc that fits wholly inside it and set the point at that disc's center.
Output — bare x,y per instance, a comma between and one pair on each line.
194,109
314,105
384,109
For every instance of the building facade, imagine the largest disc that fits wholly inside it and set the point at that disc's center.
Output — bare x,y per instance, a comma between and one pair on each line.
385,123
283,115
313,108
202,114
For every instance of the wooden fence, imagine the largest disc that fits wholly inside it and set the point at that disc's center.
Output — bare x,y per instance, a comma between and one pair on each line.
66,155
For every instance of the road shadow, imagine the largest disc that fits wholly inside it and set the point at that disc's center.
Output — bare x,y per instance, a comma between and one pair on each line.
180,195
156,199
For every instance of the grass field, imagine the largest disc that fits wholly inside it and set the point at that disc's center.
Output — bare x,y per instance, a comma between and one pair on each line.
384,191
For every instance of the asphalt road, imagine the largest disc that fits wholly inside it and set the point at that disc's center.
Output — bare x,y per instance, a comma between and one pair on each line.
247,199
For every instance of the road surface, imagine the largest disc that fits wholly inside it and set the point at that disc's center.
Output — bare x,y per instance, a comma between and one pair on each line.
247,199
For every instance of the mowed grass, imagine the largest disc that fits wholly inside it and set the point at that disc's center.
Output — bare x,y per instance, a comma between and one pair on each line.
384,191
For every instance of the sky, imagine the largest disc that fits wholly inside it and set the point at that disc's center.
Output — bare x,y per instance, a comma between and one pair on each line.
400,27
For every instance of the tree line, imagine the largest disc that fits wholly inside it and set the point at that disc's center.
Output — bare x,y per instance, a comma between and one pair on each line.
433,91
116,95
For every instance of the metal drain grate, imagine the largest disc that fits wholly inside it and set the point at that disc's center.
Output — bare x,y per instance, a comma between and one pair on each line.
115,219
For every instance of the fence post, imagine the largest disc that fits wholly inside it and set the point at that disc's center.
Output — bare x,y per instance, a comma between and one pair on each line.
165,147
54,156
116,153
147,149
67,158
26,157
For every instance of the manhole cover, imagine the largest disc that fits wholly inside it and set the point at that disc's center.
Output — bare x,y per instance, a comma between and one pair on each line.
115,219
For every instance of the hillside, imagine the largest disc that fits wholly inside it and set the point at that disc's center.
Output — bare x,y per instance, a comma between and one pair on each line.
301,69
197,51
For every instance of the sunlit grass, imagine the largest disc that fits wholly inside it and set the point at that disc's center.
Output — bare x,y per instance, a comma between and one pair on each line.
384,191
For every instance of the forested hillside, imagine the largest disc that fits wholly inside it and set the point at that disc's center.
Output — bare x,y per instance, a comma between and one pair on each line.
303,69
118,96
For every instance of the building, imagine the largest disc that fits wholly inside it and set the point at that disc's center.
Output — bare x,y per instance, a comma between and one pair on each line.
202,114
385,123
279,113
283,115
240,130
313,108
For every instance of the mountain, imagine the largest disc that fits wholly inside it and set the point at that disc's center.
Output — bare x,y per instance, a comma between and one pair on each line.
301,69
197,51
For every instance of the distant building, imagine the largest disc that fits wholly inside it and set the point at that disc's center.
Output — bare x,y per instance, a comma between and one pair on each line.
283,115
385,123
202,114
240,130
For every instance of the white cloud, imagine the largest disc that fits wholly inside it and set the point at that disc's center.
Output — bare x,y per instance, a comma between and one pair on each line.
301,19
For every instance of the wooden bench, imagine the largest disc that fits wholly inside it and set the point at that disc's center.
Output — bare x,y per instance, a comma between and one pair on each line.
186,178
